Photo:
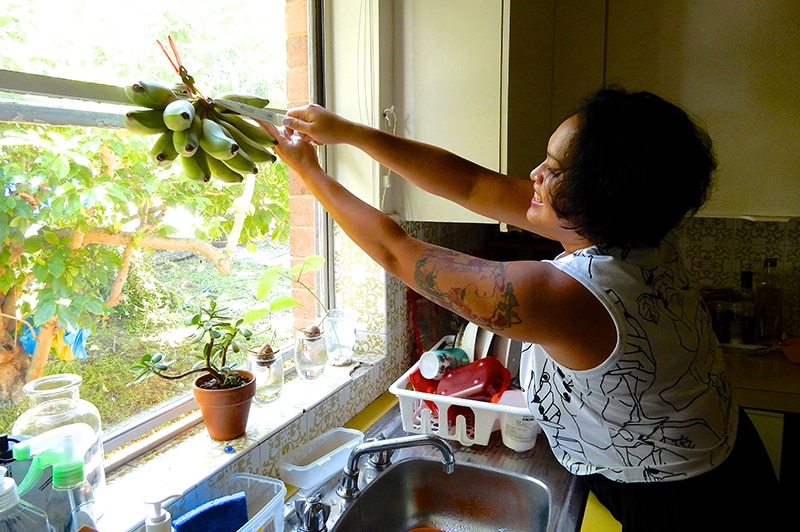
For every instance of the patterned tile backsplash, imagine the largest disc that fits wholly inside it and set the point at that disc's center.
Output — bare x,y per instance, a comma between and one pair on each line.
715,251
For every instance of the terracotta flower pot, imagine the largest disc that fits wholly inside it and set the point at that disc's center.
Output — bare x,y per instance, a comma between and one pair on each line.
225,412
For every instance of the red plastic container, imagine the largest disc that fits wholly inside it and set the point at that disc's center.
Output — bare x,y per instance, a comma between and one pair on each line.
483,380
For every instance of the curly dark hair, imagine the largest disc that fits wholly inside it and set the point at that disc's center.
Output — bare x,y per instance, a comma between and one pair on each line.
636,166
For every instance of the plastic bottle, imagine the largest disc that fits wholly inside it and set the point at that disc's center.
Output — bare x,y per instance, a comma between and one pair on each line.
160,520
65,444
17,515
71,503
743,309
55,402
435,363
769,303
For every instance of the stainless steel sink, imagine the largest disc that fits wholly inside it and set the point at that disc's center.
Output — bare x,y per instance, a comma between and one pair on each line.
416,492
491,488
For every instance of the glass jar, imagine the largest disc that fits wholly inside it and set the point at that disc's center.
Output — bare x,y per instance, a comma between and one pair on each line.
310,354
340,336
267,367
54,402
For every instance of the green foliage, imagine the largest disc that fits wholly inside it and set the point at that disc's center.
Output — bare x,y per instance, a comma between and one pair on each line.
266,282
217,333
59,181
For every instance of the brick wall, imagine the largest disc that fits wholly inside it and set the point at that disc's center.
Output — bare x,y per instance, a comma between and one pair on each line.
302,239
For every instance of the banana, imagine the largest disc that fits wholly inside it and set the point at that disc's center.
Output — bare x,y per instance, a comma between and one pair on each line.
215,142
255,101
196,167
178,115
149,94
185,143
222,172
242,163
163,151
252,131
145,122
256,152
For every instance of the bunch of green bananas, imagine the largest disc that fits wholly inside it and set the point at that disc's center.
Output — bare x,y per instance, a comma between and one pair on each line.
209,141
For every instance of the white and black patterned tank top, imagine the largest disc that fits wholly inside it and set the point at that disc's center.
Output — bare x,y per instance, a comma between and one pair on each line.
660,407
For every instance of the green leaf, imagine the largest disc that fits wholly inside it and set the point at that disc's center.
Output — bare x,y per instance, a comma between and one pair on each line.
311,263
266,280
56,266
44,311
283,302
254,315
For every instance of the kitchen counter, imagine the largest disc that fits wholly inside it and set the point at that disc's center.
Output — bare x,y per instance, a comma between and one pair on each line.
765,382
568,495
770,382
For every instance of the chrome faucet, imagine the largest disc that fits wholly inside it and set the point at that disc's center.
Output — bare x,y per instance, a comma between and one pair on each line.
348,486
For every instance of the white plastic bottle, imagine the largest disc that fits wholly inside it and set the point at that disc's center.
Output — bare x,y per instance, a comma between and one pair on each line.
71,503
15,514
160,520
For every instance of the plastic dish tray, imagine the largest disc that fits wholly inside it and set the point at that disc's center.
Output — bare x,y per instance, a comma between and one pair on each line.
311,464
417,417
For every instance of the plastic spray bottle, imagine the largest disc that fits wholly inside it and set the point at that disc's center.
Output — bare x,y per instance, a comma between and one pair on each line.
70,505
65,444
62,448
17,515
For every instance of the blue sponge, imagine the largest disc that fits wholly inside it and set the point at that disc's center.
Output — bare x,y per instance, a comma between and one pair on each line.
226,514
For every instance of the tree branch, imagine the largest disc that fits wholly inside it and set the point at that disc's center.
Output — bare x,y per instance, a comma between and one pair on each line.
220,258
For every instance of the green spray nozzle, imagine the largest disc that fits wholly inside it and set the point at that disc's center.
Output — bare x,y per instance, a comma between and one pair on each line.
61,445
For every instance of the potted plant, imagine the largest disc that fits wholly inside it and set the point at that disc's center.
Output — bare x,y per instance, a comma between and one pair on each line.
223,392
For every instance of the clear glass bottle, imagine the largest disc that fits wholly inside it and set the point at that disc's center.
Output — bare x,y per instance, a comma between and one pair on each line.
17,515
769,303
267,366
54,402
743,309
70,505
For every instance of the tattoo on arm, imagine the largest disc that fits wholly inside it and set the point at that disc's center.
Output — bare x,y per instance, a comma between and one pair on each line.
474,288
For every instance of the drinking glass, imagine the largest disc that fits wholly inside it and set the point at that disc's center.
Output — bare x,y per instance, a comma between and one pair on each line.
310,355
268,370
340,335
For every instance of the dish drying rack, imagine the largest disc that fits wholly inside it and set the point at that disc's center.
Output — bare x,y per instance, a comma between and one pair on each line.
418,418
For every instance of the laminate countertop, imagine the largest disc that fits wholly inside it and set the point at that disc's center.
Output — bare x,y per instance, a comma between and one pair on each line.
765,382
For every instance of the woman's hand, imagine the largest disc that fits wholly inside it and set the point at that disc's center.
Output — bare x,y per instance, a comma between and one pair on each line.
296,151
317,124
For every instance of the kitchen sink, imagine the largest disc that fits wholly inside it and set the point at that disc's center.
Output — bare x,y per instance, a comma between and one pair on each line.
416,493
491,488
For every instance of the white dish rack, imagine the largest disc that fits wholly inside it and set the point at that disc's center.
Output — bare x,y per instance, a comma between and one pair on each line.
418,418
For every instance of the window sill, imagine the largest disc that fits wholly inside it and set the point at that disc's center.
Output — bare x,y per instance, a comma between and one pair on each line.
304,410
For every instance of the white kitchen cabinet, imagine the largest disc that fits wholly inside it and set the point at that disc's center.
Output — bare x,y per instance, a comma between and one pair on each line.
471,76
491,79
735,64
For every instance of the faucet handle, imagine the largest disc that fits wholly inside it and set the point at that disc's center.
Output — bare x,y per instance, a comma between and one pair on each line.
313,513
382,459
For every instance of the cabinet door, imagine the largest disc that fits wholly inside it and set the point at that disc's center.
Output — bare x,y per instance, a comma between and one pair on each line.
734,64
448,70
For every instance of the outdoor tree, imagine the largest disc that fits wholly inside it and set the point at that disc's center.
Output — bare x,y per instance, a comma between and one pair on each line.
77,203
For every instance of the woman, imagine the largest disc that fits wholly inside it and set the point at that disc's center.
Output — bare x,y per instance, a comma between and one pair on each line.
628,380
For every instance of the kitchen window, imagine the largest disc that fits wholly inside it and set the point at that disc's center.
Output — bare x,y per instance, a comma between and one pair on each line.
61,129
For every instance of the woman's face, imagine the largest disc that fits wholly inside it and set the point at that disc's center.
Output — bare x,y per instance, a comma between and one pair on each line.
540,212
